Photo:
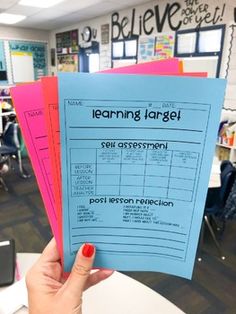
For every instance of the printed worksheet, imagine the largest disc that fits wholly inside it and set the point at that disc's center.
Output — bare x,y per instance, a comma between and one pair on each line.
29,105
51,115
137,153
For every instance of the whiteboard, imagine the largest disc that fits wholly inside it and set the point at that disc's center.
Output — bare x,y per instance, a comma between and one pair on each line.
201,64
22,67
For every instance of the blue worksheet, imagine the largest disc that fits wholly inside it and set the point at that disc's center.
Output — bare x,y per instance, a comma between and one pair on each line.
136,158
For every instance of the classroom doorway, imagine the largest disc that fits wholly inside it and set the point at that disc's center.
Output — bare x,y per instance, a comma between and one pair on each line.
89,58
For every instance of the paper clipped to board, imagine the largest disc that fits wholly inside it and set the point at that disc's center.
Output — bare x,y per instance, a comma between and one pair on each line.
136,164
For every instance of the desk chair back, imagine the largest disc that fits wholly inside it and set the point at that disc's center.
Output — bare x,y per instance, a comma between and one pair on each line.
10,136
12,146
215,203
228,175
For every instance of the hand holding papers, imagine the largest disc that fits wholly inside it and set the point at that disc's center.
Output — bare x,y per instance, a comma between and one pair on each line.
136,151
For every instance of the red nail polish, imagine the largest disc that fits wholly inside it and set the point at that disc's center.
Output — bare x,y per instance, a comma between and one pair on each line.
88,250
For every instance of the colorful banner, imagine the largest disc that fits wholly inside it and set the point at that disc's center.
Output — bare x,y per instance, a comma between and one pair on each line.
164,46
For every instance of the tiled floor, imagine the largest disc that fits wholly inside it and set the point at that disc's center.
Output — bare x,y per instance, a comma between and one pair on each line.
211,291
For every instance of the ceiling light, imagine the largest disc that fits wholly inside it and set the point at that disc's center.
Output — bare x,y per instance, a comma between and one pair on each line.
6,18
40,3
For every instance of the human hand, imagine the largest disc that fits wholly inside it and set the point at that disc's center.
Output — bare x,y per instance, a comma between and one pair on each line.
49,293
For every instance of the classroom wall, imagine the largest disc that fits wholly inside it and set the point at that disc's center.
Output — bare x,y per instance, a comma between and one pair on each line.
8,33
173,15
157,17
230,73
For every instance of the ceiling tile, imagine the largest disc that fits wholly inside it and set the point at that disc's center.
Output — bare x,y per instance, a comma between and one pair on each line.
75,5
24,10
49,14
129,3
66,13
5,4
99,9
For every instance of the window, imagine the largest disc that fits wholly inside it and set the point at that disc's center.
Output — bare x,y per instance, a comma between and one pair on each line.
210,41
118,49
201,47
131,48
125,49
186,43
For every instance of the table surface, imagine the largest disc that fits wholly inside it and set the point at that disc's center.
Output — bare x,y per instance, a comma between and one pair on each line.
119,294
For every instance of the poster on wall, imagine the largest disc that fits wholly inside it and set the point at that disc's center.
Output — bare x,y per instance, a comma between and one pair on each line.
67,63
105,34
164,46
146,48
3,71
105,57
38,52
67,42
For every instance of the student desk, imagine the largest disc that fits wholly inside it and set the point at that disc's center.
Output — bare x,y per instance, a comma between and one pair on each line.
119,294
214,181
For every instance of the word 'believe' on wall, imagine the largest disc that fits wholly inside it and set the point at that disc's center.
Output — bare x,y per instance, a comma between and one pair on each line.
192,12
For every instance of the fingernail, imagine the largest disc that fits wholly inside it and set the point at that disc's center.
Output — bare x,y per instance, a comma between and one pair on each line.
88,250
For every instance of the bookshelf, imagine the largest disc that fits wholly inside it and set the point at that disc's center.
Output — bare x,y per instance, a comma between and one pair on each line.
226,152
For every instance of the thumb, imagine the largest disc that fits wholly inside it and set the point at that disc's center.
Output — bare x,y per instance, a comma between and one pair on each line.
76,282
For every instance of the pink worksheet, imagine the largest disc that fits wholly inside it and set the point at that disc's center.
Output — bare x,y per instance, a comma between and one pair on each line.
50,93
29,105
172,65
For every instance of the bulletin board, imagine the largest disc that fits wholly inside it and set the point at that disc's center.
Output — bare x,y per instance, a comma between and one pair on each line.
68,63
146,48
67,42
156,47
37,50
164,46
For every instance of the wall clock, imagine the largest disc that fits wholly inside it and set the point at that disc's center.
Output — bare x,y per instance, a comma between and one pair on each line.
87,34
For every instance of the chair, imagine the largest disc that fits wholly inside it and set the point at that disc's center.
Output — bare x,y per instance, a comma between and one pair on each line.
11,150
4,167
224,164
229,212
215,203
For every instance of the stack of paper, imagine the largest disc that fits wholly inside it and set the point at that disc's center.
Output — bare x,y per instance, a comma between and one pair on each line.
123,161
